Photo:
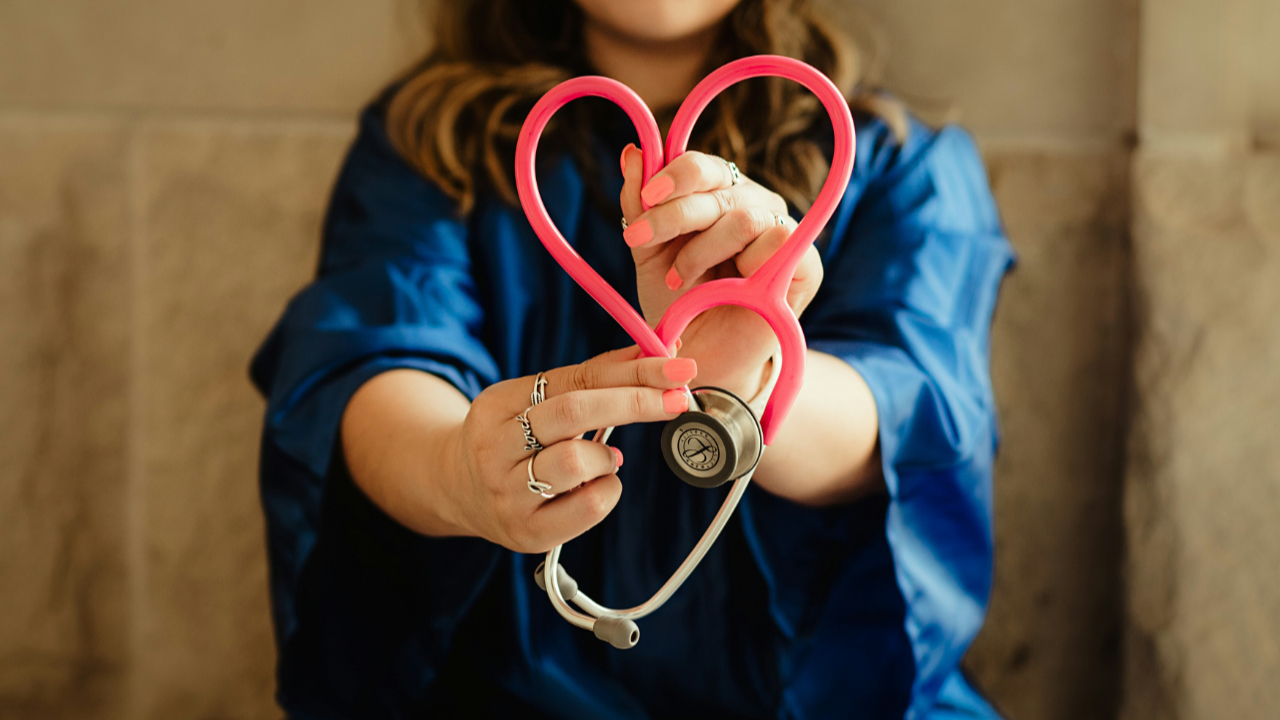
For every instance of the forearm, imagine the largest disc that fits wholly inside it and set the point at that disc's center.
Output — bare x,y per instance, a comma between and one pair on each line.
827,452
400,437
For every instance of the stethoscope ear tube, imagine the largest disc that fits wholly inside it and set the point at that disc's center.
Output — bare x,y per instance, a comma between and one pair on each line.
616,626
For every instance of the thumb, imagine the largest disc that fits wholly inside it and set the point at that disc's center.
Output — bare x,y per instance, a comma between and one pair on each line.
632,162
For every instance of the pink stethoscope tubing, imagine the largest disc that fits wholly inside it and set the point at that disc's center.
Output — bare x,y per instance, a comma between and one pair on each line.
764,293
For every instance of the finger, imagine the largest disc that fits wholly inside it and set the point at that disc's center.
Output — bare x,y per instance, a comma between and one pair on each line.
805,283
558,521
692,172
574,413
566,465
697,212
631,352
735,231
807,277
659,372
765,246
632,173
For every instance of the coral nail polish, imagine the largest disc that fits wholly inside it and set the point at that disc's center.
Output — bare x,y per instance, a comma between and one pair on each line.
657,190
675,401
674,281
680,370
638,233
617,456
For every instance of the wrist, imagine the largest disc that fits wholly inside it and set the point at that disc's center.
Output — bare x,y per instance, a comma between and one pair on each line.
746,381
447,453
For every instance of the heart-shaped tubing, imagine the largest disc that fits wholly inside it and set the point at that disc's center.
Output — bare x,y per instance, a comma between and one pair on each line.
531,200
765,292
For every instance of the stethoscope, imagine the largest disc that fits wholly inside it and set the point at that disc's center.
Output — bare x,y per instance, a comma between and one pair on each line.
720,438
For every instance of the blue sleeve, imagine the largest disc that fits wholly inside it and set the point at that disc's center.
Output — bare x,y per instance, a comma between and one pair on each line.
912,271
394,289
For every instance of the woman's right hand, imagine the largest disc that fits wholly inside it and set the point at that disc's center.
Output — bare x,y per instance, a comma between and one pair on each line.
610,390
469,475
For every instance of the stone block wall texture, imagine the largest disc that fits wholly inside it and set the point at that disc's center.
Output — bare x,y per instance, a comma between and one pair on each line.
1204,467
163,170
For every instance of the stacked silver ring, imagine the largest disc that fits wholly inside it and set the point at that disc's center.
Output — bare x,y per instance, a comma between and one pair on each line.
531,443
735,176
539,393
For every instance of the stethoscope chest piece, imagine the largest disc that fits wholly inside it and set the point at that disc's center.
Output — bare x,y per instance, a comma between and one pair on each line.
718,442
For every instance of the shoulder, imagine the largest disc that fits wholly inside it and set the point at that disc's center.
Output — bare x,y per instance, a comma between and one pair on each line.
373,157
938,171
381,205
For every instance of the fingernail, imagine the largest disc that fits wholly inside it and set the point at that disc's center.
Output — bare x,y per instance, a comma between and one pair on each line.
673,279
675,401
679,344
623,162
657,190
638,233
617,455
680,370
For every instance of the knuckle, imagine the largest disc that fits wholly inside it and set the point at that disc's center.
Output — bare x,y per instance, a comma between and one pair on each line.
745,222
639,373
725,199
597,505
688,165
580,378
574,463
638,402
570,410
707,164
683,212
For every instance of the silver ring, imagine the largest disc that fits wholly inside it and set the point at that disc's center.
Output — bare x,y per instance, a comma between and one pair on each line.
624,224
539,393
536,486
779,219
530,442
735,177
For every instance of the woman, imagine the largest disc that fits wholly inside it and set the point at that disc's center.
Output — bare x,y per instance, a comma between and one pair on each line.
403,536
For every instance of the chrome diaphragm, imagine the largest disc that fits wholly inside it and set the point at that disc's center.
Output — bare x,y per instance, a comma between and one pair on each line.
719,441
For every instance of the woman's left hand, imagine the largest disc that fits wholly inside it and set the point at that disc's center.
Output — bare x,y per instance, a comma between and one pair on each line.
701,227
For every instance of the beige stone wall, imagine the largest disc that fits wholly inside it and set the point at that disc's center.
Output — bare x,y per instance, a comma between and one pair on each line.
163,168
1203,491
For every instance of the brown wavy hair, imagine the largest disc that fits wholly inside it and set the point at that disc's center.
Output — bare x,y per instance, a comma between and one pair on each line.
456,115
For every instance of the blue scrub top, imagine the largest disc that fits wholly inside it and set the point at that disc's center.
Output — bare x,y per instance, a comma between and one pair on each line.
862,610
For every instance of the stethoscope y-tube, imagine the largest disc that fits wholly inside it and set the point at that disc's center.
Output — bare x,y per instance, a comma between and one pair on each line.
722,437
